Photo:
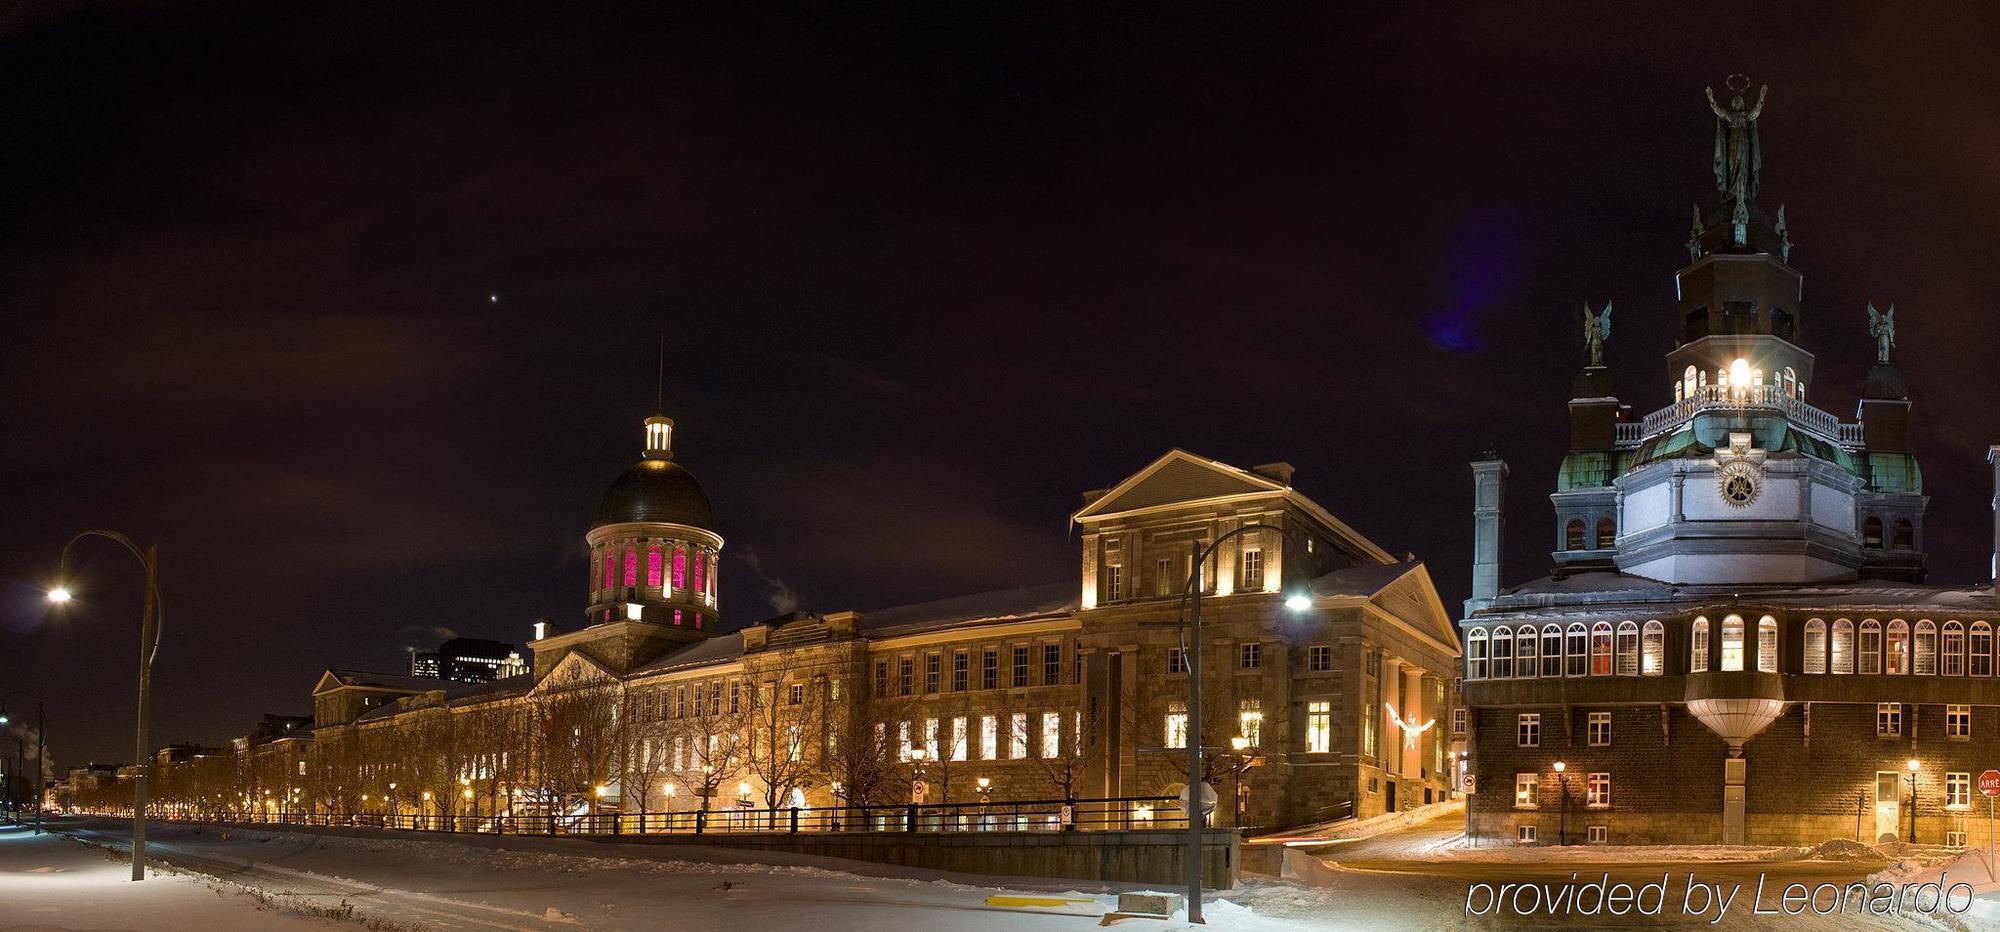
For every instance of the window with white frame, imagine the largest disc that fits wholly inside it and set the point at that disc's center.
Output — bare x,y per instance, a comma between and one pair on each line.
1732,644
931,739
1475,654
1051,664
1841,652
1980,663
1598,790
1319,659
1653,649
1458,719
1868,650
1576,650
1628,649
1114,582
1926,653
958,738
1958,722
1252,579
1958,790
1951,652
1524,834
1250,656
1698,650
1888,719
1250,720
1319,726
1599,729
1815,646
903,741
1597,835
1176,660
1528,730
1164,582
1552,650
1051,735
1176,724
1524,651
989,737
1503,653
1954,839
1767,644
1018,730
1525,786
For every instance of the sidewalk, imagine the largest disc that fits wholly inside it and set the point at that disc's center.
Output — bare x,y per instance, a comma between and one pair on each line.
49,882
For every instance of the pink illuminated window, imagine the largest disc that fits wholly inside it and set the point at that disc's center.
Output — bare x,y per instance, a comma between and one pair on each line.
607,570
631,567
677,618
700,565
653,565
680,568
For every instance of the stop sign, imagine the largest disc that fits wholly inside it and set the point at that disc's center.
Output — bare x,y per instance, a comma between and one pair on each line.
1989,783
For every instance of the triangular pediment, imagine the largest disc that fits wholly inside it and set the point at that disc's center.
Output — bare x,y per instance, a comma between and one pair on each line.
327,680
1413,598
576,670
1178,477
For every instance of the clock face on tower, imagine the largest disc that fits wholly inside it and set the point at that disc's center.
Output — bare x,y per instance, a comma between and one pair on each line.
1738,483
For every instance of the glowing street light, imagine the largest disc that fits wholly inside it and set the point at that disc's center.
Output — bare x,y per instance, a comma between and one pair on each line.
59,595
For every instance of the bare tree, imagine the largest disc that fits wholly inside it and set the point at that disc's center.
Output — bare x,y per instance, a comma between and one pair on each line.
786,719
712,737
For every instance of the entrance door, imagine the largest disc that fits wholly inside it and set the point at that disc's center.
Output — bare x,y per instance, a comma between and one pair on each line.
1888,805
1392,794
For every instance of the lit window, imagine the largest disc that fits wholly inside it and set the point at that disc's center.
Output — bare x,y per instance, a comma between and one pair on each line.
1051,734
1250,656
989,737
1252,578
1698,655
1732,643
1458,719
680,567
903,741
931,739
1319,659
1653,649
1598,790
1599,729
1868,649
1250,720
631,567
1896,648
1319,726
1628,649
958,738
1958,790
1176,725
1475,654
1600,649
1926,641
1524,651
1525,787
1176,660
1815,648
1018,730
1958,722
1528,730
1163,578
1767,644
655,567
798,694
1888,719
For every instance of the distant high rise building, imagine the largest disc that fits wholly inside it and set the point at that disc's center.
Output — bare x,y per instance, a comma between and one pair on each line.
474,660
426,663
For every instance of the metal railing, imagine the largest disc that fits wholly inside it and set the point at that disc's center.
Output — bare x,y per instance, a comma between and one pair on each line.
1804,416
1130,813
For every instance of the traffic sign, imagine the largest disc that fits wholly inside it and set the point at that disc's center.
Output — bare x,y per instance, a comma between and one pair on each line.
1467,783
1989,783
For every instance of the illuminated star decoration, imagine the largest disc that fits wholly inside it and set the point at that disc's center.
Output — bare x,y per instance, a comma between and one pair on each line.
1410,729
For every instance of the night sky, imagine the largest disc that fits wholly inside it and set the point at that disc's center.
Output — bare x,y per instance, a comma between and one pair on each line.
924,276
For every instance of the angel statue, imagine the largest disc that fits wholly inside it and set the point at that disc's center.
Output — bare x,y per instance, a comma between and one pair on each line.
1596,329
1738,159
1882,326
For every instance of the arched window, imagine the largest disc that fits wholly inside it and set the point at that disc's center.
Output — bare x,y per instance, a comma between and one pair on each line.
1871,533
1524,651
1653,649
1503,653
1843,646
1731,655
1702,378
631,567
1791,383
1552,650
1815,647
1698,657
1600,649
1868,650
1926,648
700,574
1903,535
1475,654
1576,650
1980,663
1896,648
655,566
680,568
1628,649
1607,533
1952,660
1573,534
610,569
1688,382
1767,644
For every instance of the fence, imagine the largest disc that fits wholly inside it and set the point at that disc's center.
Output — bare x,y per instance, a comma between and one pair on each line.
1128,813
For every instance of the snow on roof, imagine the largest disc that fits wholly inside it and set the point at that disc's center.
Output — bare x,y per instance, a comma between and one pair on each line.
978,608
1362,581
1584,590
722,648
388,680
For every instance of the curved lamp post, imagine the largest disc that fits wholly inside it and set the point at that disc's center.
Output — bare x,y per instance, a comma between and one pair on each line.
151,622
1190,623
41,750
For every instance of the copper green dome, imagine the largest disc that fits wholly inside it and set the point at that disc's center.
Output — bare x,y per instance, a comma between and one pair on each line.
659,491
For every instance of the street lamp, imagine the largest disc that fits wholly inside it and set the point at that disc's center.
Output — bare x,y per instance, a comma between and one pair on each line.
1913,800
1562,823
1298,600
152,621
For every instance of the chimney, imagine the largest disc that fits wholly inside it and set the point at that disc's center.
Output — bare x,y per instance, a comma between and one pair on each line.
1489,494
1993,456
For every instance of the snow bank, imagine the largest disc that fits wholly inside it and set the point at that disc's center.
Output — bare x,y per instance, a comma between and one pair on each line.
1371,826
